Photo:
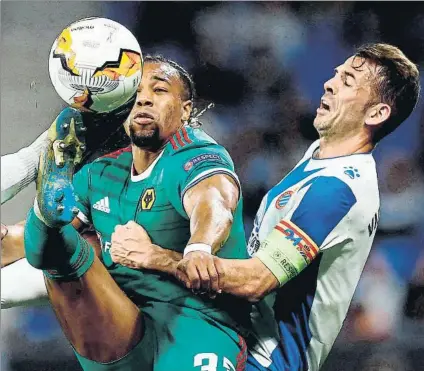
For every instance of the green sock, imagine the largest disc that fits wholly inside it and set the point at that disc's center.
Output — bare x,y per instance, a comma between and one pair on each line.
60,252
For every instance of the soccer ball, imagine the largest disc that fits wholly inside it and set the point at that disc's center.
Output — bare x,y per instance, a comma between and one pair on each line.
95,65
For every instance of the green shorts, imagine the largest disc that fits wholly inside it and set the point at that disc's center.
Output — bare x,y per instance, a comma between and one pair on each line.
179,339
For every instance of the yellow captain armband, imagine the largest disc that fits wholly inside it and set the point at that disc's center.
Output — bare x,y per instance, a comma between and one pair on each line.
287,251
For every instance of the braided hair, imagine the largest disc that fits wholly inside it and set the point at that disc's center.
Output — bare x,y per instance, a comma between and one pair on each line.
189,92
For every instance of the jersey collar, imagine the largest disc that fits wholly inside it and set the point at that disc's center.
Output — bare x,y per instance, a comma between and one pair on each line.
146,173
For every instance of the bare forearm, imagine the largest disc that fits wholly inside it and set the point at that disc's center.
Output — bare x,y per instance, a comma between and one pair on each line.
164,260
211,223
12,245
148,256
249,279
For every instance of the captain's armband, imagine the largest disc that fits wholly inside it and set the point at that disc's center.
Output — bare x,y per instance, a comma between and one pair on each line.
287,251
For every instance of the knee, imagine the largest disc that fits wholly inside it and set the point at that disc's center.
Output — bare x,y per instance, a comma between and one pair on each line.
100,346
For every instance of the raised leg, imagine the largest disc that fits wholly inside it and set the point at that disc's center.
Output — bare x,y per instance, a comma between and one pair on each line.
99,320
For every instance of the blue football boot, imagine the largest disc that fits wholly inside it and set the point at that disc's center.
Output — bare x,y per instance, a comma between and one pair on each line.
55,195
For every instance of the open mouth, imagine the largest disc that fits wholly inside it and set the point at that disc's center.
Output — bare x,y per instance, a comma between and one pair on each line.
324,105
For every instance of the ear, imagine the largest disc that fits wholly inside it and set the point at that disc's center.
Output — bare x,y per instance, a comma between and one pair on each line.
186,110
377,114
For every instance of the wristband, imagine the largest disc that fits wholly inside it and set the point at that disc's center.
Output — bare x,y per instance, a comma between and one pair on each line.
197,247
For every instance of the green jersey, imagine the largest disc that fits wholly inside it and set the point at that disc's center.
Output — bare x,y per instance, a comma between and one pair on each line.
110,194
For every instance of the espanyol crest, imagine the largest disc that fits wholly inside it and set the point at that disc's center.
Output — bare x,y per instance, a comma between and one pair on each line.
283,199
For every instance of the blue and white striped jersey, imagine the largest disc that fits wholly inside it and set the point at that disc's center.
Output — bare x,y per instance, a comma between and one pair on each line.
329,209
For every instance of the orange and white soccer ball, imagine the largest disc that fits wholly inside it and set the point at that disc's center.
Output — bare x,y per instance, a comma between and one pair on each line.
95,65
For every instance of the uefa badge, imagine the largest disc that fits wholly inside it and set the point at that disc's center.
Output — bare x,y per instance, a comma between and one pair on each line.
188,165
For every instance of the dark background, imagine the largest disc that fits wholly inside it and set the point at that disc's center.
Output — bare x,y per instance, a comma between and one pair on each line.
263,65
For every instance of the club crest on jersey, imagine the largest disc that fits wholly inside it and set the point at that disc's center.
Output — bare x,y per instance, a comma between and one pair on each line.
283,199
303,243
200,158
148,199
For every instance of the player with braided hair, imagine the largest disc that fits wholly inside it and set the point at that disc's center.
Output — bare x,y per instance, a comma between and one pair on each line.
180,185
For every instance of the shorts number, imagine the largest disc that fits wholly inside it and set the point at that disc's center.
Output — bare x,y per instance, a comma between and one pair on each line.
212,362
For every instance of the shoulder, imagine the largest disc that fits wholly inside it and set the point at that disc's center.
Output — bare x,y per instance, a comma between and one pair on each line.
120,157
190,147
323,202
346,186
359,173
188,138
328,194
118,162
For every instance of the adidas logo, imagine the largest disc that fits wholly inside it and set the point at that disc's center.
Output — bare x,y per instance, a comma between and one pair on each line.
102,205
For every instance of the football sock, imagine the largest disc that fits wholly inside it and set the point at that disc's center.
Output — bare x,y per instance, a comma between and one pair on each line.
60,252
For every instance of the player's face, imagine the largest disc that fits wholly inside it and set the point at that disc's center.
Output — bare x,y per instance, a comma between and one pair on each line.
159,110
344,105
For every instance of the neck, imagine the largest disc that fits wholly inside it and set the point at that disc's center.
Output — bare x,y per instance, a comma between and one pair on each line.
336,147
143,158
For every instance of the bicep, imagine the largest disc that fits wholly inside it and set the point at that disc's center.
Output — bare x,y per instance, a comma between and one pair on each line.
219,191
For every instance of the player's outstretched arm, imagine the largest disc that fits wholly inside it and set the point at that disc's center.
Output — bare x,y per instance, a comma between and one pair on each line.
12,243
210,206
295,242
249,279
283,254
19,169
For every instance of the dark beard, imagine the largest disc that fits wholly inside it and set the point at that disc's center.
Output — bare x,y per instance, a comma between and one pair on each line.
151,142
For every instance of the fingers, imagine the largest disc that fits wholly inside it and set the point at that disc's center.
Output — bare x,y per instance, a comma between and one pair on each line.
193,276
219,267
132,224
204,279
183,278
117,254
199,273
132,230
214,279
119,229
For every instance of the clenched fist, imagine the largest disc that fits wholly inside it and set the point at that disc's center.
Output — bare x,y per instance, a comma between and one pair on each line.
131,246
